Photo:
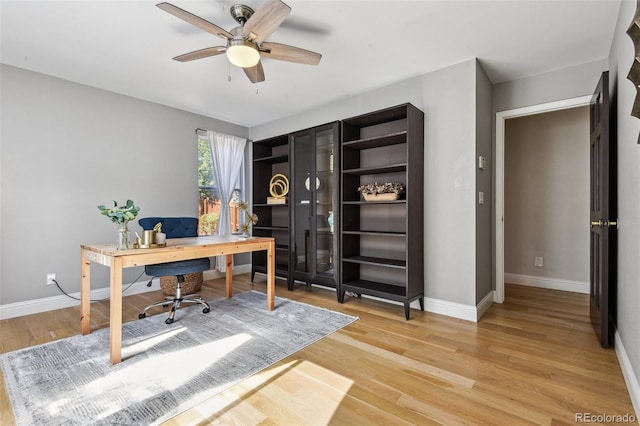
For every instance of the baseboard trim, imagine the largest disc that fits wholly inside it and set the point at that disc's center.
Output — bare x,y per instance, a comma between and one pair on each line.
45,304
485,304
549,283
630,377
451,309
444,307
213,274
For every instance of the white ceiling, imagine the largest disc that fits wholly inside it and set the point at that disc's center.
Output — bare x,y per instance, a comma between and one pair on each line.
127,46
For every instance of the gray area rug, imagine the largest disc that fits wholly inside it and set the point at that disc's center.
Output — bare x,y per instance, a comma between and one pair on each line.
166,368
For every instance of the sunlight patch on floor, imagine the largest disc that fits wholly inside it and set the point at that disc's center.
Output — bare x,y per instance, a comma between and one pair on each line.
299,392
153,372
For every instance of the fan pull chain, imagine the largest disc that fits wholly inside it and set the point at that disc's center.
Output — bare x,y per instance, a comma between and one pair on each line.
229,75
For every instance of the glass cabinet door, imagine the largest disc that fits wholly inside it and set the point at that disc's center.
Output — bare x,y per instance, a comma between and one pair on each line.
302,170
325,209
314,162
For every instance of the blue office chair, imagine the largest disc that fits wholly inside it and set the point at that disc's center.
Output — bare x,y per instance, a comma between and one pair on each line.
176,227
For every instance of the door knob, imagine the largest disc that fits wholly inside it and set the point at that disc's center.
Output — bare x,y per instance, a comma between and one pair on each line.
612,223
596,223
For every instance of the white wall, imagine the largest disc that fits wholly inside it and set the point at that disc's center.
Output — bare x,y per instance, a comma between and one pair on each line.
448,99
547,195
65,149
628,128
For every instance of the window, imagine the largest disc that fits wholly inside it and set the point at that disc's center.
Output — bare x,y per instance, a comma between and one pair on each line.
209,203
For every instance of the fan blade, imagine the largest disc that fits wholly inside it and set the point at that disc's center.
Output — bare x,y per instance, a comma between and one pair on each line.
255,73
284,52
202,53
203,24
265,20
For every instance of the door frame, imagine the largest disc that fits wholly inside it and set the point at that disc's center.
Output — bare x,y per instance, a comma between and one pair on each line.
501,118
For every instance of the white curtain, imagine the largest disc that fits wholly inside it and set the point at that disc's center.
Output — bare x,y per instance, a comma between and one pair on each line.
227,152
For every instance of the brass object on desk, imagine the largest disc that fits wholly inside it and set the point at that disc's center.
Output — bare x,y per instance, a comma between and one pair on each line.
148,240
148,246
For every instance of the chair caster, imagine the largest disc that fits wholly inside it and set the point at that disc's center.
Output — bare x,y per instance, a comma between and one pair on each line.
142,315
168,321
206,310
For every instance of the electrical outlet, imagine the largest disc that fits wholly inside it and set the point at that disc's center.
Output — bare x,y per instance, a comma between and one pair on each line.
50,278
538,261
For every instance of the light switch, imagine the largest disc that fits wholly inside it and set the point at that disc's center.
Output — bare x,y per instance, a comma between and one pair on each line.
481,162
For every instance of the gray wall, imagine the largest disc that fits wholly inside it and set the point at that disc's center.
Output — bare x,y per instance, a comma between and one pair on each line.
628,128
66,148
579,81
448,99
547,194
484,212
567,83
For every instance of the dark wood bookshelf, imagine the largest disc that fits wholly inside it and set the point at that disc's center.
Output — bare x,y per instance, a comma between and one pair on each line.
382,243
270,156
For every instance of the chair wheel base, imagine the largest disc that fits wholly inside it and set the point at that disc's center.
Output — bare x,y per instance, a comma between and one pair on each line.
142,315
206,310
168,321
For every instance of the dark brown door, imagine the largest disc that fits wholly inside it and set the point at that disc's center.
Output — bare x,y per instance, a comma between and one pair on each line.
603,228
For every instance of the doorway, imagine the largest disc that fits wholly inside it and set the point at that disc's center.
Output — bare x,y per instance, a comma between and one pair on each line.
501,118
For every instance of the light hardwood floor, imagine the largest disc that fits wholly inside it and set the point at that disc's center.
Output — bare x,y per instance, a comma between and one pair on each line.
532,360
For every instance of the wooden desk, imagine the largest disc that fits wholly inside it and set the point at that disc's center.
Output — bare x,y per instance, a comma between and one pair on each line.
176,249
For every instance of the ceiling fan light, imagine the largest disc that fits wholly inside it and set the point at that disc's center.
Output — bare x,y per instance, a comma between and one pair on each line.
242,54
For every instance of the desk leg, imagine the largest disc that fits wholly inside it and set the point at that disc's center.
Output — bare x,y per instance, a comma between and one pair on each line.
85,293
115,315
229,277
271,275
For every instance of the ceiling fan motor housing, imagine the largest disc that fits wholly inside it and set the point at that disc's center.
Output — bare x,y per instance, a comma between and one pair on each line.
241,13
240,51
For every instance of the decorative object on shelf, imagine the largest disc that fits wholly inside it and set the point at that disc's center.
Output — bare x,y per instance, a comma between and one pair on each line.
330,220
251,219
278,188
121,215
387,191
381,197
307,183
634,73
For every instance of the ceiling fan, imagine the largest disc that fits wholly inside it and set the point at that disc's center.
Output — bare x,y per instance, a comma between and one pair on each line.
246,42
